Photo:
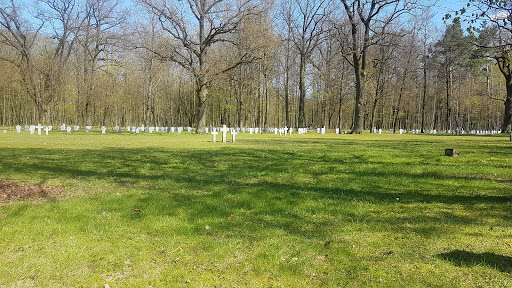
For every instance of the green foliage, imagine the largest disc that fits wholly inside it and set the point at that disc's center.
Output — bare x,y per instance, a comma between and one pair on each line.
333,210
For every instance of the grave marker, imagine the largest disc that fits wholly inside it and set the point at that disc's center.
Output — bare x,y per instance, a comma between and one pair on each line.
39,127
451,152
224,131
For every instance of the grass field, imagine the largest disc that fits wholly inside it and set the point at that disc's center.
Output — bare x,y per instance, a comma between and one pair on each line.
302,211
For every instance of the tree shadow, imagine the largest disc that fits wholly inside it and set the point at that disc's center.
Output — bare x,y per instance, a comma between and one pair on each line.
270,187
462,258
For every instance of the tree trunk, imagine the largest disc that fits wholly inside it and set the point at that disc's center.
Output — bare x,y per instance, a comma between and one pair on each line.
201,96
358,108
448,82
399,101
424,97
505,127
302,91
287,88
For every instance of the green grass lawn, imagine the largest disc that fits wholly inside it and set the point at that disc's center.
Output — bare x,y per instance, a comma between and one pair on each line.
307,211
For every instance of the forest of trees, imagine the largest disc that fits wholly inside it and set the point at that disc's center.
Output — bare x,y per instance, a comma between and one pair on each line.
348,64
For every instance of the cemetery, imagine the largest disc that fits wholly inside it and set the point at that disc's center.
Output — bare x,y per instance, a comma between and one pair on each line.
165,207
222,143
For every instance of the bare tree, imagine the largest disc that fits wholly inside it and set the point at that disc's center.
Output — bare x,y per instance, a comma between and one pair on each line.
306,23
365,18
63,16
18,35
100,31
196,26
498,44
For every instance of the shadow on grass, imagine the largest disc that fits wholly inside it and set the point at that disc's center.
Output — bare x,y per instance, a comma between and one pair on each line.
275,187
462,258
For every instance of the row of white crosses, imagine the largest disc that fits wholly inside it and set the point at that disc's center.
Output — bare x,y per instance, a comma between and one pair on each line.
224,131
133,129
284,131
33,128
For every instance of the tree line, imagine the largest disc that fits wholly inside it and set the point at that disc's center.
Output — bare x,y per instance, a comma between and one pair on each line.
349,64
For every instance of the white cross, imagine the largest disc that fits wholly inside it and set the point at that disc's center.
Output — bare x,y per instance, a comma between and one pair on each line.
233,134
224,131
47,129
39,127
214,133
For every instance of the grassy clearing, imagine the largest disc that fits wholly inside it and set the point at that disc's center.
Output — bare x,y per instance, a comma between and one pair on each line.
307,210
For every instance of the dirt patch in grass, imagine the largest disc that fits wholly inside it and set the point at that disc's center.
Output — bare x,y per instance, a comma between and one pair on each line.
12,191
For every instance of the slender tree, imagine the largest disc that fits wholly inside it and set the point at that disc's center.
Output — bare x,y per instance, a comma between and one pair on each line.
306,22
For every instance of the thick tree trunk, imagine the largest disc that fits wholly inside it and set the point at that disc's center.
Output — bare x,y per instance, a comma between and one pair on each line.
423,101
448,82
239,102
201,96
358,107
505,127
340,110
287,89
302,91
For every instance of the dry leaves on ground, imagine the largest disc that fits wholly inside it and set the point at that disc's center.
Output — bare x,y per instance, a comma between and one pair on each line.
12,191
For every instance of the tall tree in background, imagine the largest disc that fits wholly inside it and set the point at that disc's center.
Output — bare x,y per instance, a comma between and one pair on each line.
64,18
425,35
100,31
17,34
196,27
306,20
286,15
453,51
365,17
498,44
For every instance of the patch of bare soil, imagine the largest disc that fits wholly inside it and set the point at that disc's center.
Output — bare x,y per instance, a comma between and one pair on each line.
12,191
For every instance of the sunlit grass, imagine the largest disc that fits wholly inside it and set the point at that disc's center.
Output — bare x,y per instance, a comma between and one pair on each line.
307,210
